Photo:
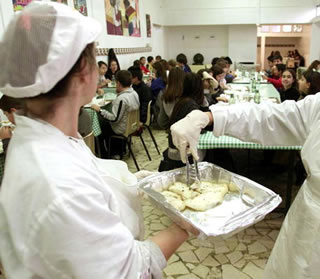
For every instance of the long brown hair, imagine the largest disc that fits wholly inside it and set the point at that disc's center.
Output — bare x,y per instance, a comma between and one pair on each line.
175,85
160,71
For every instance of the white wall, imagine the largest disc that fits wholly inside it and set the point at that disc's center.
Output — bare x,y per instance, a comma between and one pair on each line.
243,43
193,39
315,41
96,9
206,12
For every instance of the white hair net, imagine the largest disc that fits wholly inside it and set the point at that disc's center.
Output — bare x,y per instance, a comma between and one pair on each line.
40,46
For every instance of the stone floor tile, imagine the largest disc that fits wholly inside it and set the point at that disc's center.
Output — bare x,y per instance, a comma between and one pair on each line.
185,247
253,271
188,276
274,234
251,231
263,231
229,271
188,257
260,263
201,271
201,243
232,243
158,212
234,256
215,273
173,259
256,248
250,257
203,252
268,243
241,247
157,227
221,248
190,266
177,268
222,258
165,221
153,217
240,264
147,208
210,261
157,221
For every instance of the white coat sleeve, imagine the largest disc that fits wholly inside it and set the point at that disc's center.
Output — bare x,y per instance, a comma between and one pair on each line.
79,237
286,124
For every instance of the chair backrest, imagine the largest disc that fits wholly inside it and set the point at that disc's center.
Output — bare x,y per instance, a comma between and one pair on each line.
196,68
132,122
148,121
89,140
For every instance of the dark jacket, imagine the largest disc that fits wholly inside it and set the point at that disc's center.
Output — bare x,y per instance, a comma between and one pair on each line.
156,86
290,94
145,95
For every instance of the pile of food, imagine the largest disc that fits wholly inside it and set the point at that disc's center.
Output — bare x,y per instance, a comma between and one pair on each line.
199,197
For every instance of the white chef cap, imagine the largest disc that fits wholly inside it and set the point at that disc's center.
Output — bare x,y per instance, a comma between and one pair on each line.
40,46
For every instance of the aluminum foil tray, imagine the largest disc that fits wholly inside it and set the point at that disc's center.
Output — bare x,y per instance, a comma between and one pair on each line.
239,210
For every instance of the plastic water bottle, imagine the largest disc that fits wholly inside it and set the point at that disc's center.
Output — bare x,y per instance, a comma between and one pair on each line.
113,81
253,85
257,97
232,100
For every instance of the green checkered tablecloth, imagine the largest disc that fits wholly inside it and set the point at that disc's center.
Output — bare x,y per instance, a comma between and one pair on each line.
209,141
95,121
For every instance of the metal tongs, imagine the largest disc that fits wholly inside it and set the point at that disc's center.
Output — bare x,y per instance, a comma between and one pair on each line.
192,174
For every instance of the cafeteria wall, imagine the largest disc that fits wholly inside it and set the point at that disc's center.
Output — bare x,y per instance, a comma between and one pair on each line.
96,9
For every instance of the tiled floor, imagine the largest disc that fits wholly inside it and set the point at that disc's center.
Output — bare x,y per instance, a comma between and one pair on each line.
243,256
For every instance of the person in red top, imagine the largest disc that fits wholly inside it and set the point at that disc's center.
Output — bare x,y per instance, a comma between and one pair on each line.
276,79
142,65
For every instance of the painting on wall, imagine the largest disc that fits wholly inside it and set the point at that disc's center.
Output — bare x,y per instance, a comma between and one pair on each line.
148,22
123,17
81,6
18,5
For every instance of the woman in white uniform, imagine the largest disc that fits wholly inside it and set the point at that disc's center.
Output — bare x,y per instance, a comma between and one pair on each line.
63,212
296,254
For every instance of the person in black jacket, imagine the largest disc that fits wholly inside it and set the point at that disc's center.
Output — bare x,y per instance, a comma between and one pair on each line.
289,83
143,91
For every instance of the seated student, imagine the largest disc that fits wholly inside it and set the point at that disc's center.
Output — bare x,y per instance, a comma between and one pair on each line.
144,91
218,74
309,83
143,68
276,59
114,122
150,63
172,64
223,64
192,98
102,81
214,60
277,71
170,96
158,58
315,65
229,75
268,72
210,87
198,59
112,70
182,62
289,83
159,83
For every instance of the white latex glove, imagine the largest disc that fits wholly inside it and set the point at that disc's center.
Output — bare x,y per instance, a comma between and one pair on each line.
186,132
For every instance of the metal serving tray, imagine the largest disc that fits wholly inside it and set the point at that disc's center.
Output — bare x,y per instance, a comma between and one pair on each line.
239,210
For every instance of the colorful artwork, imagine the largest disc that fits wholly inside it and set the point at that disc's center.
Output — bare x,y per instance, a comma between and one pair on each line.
18,5
123,17
81,6
148,21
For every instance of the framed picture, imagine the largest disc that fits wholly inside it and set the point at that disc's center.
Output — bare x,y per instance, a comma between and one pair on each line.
61,1
287,28
148,22
297,28
123,17
81,6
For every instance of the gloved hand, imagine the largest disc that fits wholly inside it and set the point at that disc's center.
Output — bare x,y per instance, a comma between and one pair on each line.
185,133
